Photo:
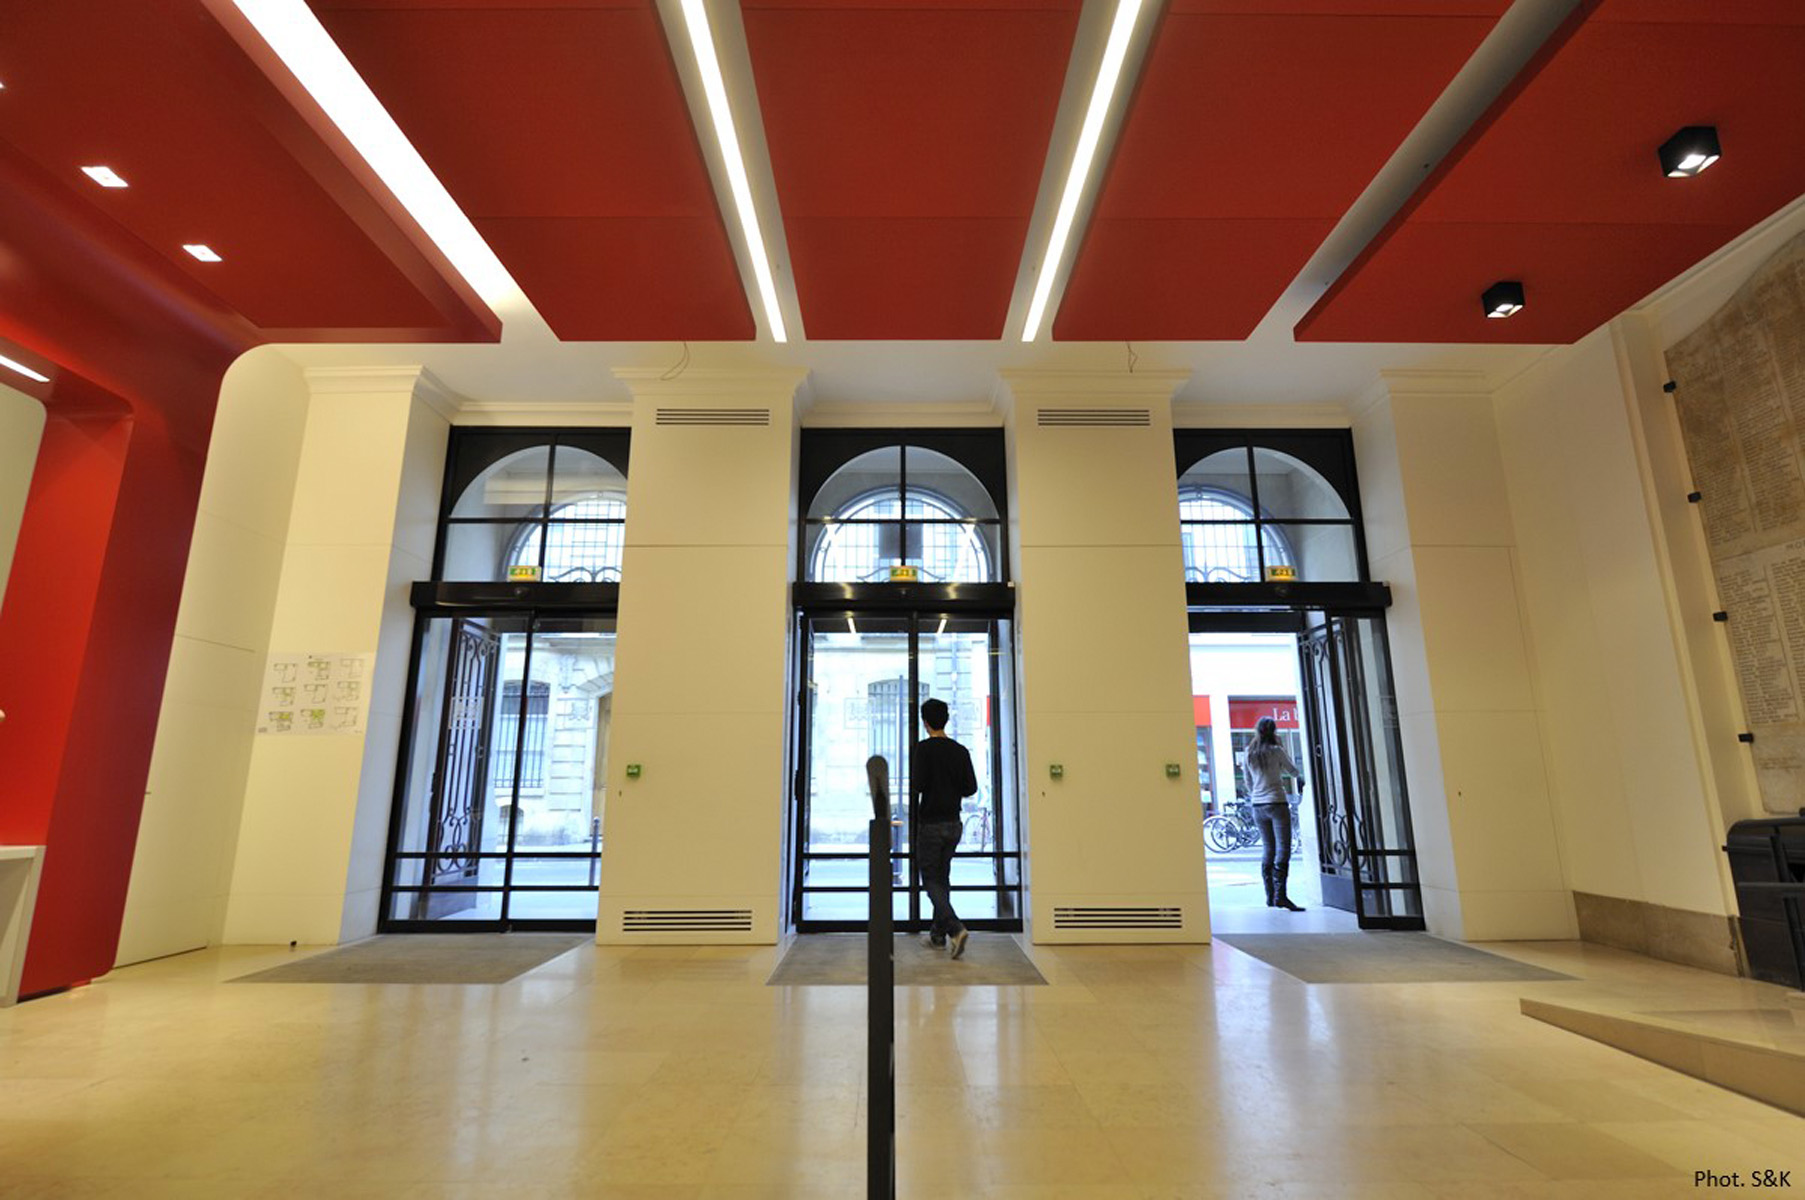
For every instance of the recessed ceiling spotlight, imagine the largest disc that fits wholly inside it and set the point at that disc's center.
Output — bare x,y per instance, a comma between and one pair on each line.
1690,151
1503,299
104,176
202,251
22,369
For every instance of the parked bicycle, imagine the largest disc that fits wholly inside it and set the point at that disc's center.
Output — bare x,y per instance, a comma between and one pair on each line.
1235,829
977,834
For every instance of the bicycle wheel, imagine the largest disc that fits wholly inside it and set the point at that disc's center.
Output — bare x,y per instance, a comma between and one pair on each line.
1221,834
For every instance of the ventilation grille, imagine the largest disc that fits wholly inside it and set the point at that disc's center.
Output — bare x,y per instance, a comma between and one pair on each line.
713,416
1088,418
1118,918
686,920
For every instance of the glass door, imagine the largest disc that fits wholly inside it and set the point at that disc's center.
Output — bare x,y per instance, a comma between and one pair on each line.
865,676
1367,851
499,815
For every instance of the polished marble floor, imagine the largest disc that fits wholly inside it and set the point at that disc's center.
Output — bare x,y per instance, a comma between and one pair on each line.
1139,1073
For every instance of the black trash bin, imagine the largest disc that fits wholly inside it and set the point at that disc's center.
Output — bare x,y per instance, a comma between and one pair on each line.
1767,865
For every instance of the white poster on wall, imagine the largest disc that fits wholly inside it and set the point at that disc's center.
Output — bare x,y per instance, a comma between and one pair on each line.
320,692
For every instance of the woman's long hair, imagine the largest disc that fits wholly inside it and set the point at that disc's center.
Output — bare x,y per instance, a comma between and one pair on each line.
1265,741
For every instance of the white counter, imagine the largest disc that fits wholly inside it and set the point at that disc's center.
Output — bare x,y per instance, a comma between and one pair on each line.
20,867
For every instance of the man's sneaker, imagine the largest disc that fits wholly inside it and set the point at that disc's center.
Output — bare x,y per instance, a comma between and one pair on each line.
958,942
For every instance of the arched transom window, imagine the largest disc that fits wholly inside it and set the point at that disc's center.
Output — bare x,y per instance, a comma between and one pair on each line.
558,509
902,506
582,542
1253,511
1222,541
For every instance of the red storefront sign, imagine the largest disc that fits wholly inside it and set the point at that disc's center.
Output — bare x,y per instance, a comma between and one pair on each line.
1244,712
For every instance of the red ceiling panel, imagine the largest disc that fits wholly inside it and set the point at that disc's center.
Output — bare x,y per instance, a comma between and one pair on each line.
215,154
562,132
1253,128
1558,186
907,143
959,270
645,267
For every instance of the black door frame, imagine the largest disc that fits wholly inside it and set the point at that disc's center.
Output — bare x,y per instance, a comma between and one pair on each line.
1334,733
912,604
531,602
1371,873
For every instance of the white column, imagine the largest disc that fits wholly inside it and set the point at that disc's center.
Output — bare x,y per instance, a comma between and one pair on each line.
692,846
316,810
1438,526
1114,844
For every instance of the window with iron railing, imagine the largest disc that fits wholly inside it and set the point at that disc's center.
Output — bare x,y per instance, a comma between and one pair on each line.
532,739
1223,542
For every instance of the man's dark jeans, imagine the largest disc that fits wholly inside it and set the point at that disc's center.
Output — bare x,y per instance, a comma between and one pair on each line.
934,846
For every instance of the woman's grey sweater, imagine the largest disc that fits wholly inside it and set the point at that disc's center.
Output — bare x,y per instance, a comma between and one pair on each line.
1266,782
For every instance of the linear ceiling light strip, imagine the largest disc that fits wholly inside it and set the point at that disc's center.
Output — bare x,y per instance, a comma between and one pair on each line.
21,368
1109,76
297,37
714,86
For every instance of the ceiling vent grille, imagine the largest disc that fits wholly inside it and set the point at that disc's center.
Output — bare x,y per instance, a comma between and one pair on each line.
686,920
1093,418
713,416
1107,917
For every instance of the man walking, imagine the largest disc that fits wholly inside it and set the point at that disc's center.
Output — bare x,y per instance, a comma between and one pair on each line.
940,776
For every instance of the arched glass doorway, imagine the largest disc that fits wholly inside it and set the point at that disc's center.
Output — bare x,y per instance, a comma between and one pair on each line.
902,594
1276,572
501,783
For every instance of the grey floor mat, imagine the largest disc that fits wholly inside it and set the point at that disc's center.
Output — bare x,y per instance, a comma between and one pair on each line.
1380,958
426,958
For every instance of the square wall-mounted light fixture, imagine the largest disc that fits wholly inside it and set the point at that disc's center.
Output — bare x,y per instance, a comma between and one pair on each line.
1690,151
1503,299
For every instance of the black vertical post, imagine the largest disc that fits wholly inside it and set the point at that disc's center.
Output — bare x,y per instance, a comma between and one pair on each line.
880,1003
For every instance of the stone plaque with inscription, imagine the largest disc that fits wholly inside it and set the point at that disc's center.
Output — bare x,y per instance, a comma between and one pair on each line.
1741,399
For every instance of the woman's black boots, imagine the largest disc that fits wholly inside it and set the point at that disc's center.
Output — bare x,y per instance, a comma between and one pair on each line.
1275,888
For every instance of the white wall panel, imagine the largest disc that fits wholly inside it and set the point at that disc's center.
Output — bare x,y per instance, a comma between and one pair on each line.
1447,448
1497,802
690,652
1628,782
1474,763
1093,653
187,836
705,816
1471,628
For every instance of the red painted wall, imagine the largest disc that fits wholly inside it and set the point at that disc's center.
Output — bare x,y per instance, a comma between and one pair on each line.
135,364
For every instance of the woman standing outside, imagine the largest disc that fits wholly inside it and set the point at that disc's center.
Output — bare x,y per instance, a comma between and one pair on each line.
1265,764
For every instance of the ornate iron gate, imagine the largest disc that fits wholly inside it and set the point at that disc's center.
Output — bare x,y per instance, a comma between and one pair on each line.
460,779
